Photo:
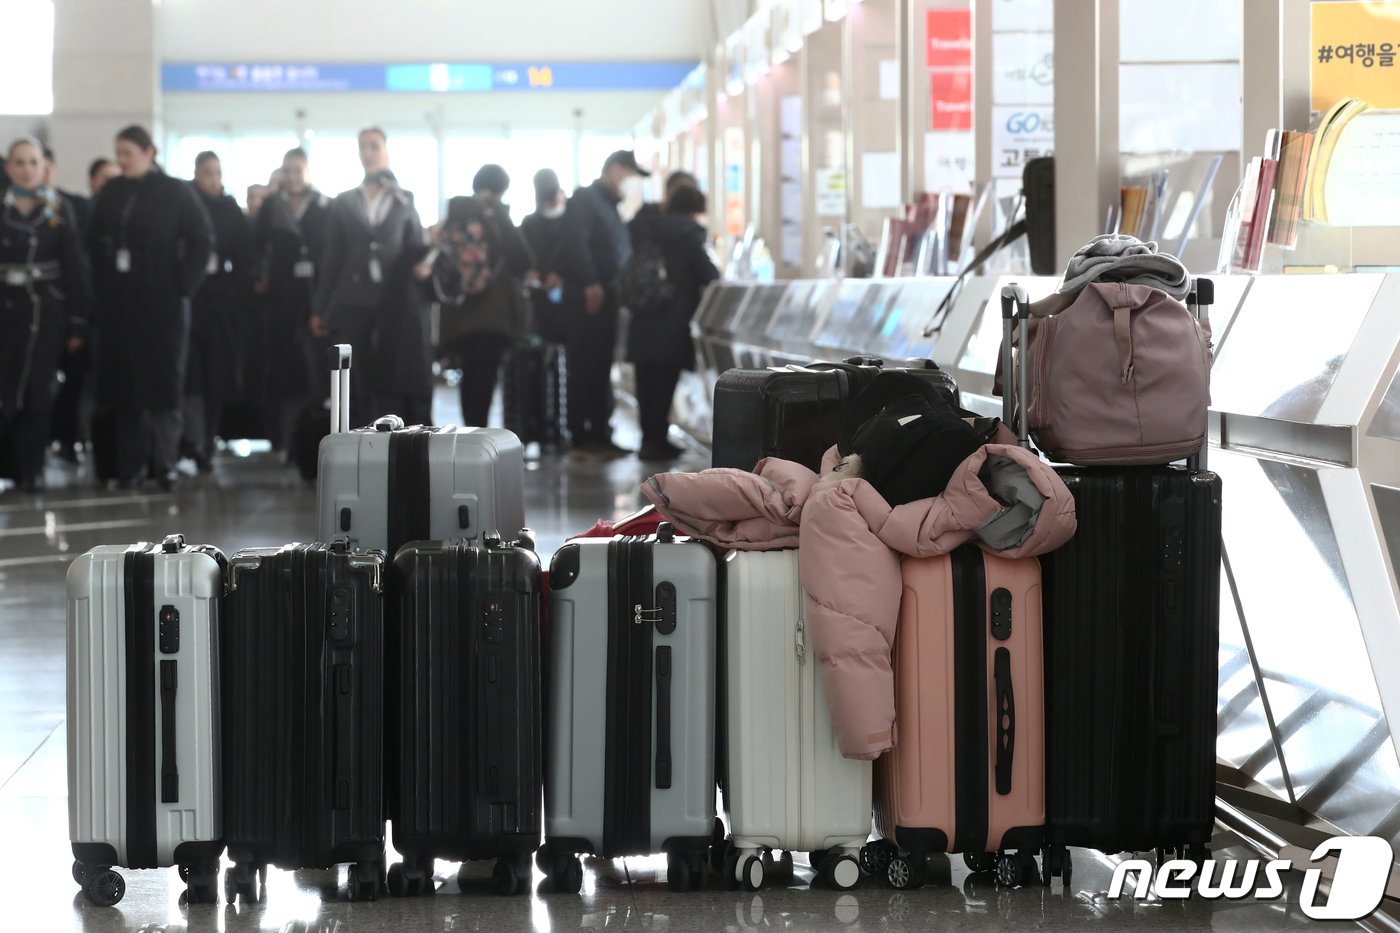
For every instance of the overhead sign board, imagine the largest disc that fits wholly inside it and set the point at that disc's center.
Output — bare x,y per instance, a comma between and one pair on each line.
429,78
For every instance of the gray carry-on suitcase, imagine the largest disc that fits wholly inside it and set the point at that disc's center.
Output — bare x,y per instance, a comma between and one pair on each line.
143,714
630,754
388,484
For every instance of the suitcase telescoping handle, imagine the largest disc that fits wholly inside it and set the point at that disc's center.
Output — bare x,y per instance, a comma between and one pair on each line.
1015,306
339,357
1200,299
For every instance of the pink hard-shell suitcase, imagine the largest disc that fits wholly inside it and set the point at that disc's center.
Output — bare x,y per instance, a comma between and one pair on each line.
967,772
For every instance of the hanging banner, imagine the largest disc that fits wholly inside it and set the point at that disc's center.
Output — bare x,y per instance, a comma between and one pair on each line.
949,39
1353,53
950,100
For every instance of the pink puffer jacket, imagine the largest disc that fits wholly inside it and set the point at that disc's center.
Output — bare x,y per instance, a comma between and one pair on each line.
851,540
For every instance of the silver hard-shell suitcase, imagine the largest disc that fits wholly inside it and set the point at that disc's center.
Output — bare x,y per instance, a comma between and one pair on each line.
629,758
387,484
143,715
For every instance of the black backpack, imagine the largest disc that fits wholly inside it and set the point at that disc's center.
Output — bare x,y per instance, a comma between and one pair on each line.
643,284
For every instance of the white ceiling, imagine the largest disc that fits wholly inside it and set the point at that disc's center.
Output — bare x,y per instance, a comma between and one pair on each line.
432,30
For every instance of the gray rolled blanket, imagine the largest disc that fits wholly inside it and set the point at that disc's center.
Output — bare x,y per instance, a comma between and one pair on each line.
1114,257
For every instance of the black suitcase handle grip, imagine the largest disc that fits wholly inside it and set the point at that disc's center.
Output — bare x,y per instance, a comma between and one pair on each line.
169,768
663,717
1006,721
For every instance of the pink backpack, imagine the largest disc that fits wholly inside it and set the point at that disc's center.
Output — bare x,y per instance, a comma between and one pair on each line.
1119,374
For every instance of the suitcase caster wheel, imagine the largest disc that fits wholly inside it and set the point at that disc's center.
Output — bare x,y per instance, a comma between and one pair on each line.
398,880
840,873
366,879
184,871
104,887
979,862
1030,871
719,846
504,880
1066,871
730,874
817,859
902,873
1009,870
875,858
565,875
80,873
1047,868
677,872
751,874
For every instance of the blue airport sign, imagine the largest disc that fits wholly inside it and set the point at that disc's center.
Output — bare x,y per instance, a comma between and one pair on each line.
432,78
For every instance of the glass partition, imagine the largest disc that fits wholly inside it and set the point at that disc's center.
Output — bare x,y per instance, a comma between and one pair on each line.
1179,122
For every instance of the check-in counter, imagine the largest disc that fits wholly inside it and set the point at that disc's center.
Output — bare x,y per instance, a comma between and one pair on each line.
1305,427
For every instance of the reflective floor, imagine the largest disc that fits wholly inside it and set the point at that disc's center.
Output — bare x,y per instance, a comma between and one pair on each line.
252,500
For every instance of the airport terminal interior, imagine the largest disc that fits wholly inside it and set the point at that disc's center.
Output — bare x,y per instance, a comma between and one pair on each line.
573,222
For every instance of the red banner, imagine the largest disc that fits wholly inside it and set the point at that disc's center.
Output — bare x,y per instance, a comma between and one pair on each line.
950,100
949,39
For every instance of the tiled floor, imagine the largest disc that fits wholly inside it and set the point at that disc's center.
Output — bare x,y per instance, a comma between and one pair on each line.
253,501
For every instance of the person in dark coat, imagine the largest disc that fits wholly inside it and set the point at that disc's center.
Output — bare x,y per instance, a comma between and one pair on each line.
69,409
150,243
659,343
481,327
544,231
366,293
44,297
219,344
595,247
291,230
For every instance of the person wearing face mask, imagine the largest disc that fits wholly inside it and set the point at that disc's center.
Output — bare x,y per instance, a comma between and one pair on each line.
150,243
291,228
594,248
544,231
221,347
366,296
43,308
483,294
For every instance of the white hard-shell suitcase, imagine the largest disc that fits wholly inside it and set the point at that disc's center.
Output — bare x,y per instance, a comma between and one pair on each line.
143,715
631,705
784,782
385,485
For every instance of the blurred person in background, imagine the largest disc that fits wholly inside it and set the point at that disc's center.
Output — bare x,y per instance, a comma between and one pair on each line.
82,207
544,231
594,248
150,243
101,171
291,228
366,294
482,295
43,308
70,407
659,344
220,351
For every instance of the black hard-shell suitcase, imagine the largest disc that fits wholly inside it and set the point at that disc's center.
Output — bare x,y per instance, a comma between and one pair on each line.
795,412
533,394
302,652
466,709
1132,630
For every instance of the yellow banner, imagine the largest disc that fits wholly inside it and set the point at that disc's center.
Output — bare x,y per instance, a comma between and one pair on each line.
1354,47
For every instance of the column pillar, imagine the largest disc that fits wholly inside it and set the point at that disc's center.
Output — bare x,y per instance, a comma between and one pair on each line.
106,75
1087,178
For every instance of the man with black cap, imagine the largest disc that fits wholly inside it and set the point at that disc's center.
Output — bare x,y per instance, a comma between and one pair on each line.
595,247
